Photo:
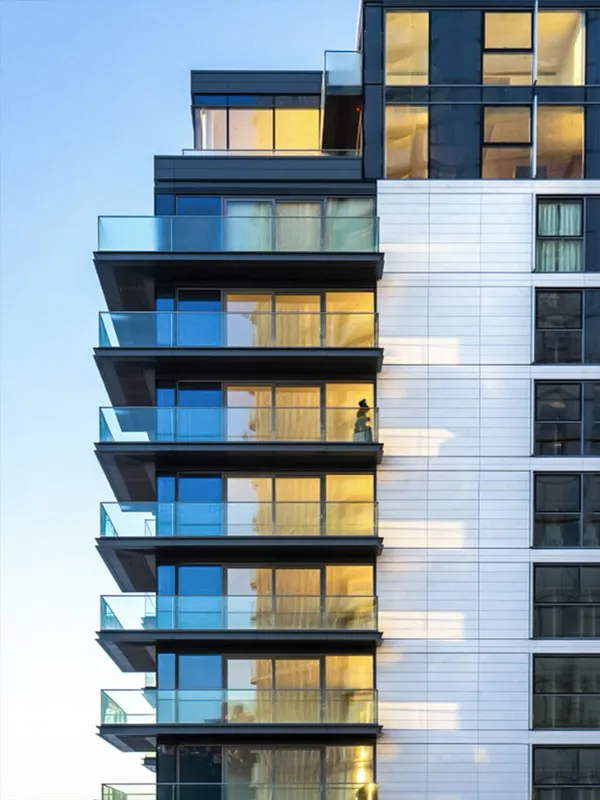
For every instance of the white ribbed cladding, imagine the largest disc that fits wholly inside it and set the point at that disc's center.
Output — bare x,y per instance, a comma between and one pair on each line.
455,395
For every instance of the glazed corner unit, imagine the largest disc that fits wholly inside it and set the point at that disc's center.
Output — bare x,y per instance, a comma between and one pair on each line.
240,354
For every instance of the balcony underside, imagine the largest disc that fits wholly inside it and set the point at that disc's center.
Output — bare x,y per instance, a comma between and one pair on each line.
132,560
142,738
129,374
130,468
129,280
135,651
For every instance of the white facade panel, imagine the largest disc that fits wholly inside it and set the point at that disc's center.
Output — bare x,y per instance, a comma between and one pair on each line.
455,486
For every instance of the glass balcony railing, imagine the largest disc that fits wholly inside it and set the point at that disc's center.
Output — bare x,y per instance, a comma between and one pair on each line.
271,518
231,329
237,424
240,790
237,234
252,612
243,706
343,69
270,153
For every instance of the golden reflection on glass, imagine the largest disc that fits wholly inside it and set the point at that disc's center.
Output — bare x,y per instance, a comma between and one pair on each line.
406,48
406,141
292,702
508,69
298,226
352,677
249,413
506,162
349,412
560,142
298,600
297,768
250,129
507,125
350,320
298,506
350,764
297,129
298,413
560,48
508,30
297,320
349,601
350,508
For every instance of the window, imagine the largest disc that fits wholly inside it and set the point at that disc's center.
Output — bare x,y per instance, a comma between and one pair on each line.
508,49
566,773
406,48
559,142
508,54
567,510
566,692
567,327
560,48
566,601
406,141
506,142
559,244
252,123
567,419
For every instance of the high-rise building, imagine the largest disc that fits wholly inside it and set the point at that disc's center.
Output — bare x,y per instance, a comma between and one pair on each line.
355,434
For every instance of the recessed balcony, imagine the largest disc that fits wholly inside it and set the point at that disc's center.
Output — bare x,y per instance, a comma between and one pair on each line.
135,253
132,626
132,439
237,790
132,717
133,534
252,345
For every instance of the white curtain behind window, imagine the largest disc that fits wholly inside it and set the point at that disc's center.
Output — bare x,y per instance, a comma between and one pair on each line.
349,224
248,226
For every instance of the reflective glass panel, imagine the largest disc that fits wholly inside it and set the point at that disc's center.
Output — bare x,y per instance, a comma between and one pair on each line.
560,48
559,142
508,69
210,129
250,129
297,129
507,30
506,125
406,48
406,141
506,162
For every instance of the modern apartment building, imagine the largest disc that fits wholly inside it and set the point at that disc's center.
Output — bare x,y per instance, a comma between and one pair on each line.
355,434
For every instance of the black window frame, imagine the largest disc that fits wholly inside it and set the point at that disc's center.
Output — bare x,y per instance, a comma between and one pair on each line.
576,617
543,333
508,51
548,704
539,237
547,786
584,517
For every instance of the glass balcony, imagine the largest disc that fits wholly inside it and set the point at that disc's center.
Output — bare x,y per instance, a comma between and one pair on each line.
272,518
343,69
237,234
252,612
270,153
239,790
228,329
231,706
136,424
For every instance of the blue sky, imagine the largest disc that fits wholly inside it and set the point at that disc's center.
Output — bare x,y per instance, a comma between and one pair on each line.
89,91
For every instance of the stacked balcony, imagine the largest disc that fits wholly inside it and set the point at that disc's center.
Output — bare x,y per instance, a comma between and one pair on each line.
240,354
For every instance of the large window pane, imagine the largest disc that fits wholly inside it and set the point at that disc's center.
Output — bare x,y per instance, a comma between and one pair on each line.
506,162
250,129
297,129
507,69
210,128
406,142
298,226
507,30
558,337
558,402
407,48
507,125
249,225
559,142
560,48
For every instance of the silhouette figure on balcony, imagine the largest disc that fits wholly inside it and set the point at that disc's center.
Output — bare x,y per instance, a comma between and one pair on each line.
362,429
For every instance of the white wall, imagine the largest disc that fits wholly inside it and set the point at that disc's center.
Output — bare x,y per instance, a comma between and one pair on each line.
454,488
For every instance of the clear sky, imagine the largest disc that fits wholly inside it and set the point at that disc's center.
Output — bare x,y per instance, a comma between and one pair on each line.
89,91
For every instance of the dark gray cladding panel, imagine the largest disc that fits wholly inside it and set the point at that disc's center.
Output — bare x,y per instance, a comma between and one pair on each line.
207,82
257,168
